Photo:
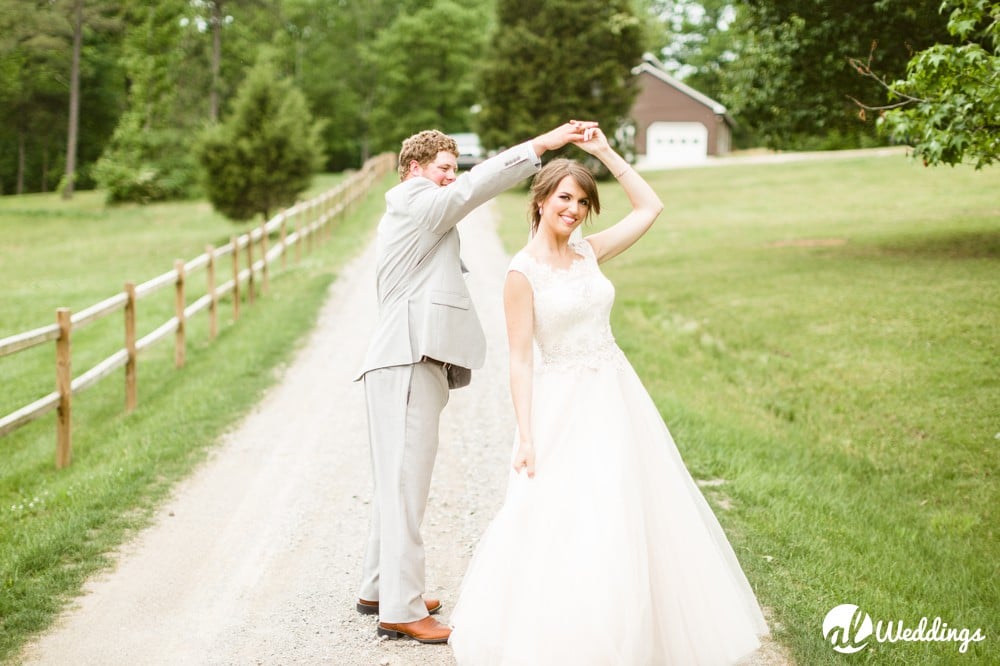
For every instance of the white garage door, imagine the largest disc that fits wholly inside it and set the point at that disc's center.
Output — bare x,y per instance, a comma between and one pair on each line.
676,143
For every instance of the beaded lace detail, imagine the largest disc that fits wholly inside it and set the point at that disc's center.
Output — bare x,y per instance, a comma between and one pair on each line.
572,309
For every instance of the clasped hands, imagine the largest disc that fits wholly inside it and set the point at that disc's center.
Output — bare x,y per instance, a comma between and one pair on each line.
583,133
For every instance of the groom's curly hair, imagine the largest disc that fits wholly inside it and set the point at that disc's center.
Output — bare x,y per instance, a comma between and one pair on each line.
424,147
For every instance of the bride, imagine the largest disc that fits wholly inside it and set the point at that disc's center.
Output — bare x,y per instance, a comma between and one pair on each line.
604,553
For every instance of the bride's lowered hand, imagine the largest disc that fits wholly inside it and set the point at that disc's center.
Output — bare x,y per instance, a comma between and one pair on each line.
524,459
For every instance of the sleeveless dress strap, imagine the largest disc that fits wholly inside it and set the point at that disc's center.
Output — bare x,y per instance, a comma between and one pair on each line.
523,264
582,247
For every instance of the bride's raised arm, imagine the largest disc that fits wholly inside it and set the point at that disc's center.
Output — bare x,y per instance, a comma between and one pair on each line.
646,205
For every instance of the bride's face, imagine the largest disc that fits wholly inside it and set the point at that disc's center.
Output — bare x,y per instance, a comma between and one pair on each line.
566,208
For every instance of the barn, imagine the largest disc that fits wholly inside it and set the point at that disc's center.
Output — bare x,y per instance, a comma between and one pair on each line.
674,123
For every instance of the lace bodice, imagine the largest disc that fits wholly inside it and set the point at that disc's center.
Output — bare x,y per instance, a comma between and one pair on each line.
572,309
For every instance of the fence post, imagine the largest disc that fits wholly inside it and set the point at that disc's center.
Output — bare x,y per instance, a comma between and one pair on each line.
307,226
179,313
131,394
320,228
320,224
329,216
213,303
265,282
236,278
250,294
318,221
299,239
284,235
336,205
64,385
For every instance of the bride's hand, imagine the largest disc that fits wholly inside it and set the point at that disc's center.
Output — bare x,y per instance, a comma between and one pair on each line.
524,459
593,141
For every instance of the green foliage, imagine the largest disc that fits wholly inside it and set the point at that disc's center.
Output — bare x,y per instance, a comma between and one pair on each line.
951,94
555,60
36,63
696,40
265,153
324,68
791,80
164,48
145,165
35,50
149,156
344,55
426,63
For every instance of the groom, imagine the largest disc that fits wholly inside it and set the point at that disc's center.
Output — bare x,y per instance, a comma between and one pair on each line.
426,342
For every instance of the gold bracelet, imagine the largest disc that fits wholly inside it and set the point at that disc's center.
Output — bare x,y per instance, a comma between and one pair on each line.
622,172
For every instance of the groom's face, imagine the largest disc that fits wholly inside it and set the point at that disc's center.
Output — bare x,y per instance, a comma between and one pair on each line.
442,169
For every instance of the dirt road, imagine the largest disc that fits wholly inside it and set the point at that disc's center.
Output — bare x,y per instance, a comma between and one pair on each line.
255,559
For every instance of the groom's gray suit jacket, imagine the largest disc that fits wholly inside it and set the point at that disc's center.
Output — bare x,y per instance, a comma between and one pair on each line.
424,304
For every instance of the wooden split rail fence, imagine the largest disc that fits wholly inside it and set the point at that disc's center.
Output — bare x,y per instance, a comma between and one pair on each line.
311,221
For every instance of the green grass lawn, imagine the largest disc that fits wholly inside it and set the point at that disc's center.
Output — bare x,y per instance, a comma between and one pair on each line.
57,526
824,337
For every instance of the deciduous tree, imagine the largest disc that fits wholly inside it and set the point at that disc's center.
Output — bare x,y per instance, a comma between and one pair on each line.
791,79
81,15
550,61
149,156
324,45
33,62
425,65
948,106
695,40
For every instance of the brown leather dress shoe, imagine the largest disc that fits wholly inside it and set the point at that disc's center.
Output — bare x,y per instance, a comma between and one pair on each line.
427,630
371,607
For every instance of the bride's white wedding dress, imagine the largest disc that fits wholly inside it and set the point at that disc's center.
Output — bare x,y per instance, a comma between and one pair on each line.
610,555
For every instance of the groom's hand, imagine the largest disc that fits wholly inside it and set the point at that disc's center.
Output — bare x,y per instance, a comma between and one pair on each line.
571,132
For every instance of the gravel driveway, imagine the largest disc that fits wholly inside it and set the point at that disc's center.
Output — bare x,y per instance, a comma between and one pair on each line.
255,558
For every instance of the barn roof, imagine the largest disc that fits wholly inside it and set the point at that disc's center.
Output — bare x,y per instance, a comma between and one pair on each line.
651,65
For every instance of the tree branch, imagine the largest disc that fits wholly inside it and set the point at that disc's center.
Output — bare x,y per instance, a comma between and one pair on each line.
887,107
865,70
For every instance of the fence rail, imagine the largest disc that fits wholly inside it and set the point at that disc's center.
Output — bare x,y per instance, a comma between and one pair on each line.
310,220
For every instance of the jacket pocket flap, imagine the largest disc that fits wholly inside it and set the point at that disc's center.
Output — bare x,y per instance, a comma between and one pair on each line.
451,299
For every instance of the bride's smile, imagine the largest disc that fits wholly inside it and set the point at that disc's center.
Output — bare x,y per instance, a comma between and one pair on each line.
568,206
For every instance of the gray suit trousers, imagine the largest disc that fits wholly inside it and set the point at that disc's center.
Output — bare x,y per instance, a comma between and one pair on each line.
404,410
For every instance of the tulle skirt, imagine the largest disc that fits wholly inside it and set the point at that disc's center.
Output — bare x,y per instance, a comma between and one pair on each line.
610,555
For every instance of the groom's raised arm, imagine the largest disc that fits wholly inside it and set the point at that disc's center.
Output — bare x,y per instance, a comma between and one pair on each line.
442,208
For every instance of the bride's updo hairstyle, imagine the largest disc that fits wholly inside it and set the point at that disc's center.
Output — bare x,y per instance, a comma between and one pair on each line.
548,180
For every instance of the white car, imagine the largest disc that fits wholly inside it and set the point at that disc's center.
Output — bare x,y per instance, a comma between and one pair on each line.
470,151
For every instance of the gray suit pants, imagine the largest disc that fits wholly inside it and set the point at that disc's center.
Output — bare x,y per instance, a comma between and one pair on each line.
404,409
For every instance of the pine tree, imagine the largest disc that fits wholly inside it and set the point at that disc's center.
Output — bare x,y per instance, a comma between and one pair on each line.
265,153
